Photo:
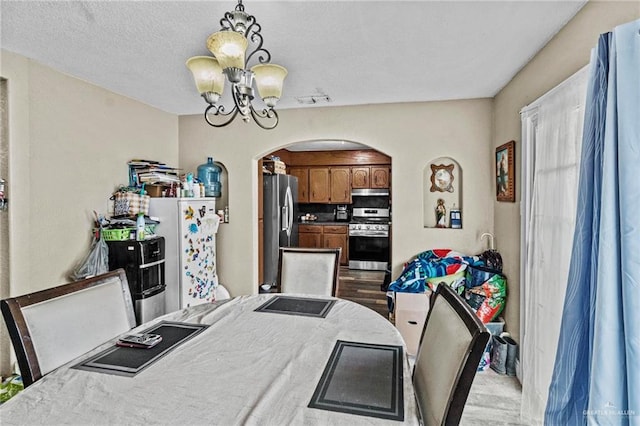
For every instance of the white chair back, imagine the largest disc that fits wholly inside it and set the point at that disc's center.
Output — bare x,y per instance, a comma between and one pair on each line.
309,271
52,327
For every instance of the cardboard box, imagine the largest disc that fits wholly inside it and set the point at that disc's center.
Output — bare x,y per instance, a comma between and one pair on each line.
410,314
275,166
496,326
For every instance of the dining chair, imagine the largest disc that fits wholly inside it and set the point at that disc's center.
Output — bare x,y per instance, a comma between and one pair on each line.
452,343
309,270
51,327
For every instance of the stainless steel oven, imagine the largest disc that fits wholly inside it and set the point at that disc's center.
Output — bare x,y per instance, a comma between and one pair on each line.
369,239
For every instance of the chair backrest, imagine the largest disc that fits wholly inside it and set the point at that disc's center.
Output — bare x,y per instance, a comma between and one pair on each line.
51,327
453,341
309,270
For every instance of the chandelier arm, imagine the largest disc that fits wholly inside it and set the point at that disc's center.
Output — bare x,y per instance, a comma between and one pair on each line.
267,114
225,21
219,111
251,20
256,38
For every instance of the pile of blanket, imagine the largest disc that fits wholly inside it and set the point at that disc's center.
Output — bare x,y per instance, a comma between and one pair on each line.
478,282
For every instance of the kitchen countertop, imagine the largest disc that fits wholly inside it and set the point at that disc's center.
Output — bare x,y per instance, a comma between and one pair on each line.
317,222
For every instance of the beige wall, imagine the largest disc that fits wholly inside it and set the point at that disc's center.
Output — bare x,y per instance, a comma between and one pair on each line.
69,143
4,221
565,54
412,134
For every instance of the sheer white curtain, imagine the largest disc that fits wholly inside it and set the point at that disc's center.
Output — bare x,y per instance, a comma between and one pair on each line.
551,141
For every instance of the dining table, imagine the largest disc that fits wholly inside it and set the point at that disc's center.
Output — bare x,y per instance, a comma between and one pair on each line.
264,359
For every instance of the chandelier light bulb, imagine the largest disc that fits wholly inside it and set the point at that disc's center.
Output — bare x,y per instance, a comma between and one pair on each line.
207,74
229,48
269,80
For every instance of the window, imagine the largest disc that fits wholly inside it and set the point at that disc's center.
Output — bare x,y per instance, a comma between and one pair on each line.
551,144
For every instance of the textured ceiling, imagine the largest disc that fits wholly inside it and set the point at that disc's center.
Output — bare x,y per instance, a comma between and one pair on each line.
355,52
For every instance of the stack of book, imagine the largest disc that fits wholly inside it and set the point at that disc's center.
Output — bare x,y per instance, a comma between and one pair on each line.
149,171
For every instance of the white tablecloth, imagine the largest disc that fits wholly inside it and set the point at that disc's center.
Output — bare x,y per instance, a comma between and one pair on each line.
246,368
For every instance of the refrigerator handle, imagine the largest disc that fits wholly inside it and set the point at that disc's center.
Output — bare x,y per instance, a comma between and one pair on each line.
291,211
287,212
284,217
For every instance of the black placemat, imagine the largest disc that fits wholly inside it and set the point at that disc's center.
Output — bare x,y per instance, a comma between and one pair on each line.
297,306
364,379
127,361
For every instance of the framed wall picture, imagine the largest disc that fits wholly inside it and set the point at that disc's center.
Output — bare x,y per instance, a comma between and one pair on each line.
505,172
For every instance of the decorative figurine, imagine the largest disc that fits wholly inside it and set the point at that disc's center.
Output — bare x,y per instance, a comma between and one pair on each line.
441,214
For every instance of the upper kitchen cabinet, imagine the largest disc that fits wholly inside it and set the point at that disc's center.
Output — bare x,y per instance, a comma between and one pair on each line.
340,185
380,177
360,177
329,185
370,177
327,177
302,173
319,185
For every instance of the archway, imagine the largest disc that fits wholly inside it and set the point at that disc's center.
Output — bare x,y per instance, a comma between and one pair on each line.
334,162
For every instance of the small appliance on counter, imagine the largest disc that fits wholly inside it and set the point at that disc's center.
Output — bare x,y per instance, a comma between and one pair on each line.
342,214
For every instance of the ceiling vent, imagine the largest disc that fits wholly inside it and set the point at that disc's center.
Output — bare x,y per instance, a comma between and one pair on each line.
313,99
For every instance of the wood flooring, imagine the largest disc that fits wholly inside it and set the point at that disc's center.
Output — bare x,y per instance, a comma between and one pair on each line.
363,287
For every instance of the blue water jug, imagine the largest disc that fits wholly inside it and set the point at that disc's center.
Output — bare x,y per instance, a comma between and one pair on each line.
209,175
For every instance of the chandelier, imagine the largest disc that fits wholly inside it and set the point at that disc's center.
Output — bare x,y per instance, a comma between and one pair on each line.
229,48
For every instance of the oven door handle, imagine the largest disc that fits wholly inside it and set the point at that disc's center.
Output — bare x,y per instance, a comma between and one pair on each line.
369,234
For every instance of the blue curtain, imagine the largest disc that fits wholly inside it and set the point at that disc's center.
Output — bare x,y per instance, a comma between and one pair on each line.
596,378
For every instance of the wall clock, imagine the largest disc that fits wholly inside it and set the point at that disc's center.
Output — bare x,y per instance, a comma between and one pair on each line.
441,178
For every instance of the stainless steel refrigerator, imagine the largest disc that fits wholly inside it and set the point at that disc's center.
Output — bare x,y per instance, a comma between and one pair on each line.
280,204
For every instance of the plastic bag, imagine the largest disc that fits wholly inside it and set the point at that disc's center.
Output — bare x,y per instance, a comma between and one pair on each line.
10,387
96,262
486,292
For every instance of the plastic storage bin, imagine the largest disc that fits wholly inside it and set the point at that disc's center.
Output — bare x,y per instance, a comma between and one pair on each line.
123,234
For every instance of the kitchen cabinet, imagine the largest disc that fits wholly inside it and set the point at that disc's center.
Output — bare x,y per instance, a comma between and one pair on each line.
319,185
360,177
310,236
325,236
329,185
302,173
340,185
365,177
380,177
336,237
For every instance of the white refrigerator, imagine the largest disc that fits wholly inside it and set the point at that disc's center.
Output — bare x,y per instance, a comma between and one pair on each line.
189,226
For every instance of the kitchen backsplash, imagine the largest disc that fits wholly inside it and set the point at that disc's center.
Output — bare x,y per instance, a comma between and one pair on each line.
324,212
